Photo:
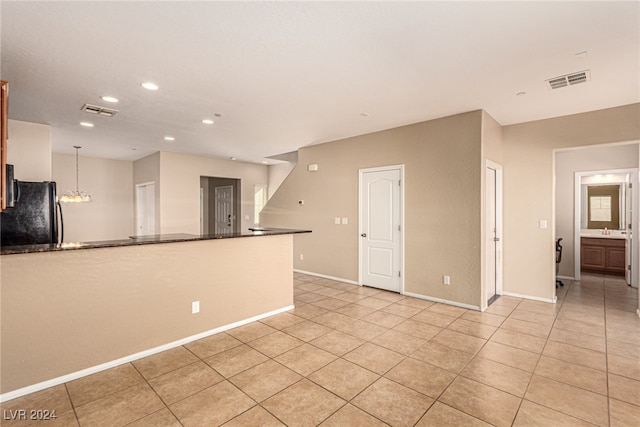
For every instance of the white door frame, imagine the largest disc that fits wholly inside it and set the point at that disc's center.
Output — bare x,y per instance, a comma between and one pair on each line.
140,208
201,211
634,219
361,172
499,244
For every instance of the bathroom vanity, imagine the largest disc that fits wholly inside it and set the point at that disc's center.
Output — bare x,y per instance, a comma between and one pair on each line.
603,254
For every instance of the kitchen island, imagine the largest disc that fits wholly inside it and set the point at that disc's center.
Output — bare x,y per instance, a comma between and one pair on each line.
75,309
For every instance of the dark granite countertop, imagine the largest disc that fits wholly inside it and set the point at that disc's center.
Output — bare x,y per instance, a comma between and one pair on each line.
145,240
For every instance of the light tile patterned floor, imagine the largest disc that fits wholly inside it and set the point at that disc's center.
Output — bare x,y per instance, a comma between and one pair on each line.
351,356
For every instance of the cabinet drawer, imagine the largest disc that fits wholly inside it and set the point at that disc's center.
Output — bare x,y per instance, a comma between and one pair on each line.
607,243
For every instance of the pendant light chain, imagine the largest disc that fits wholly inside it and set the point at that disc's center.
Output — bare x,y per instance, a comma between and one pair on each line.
77,185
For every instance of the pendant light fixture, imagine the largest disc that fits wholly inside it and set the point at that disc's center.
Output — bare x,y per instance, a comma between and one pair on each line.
75,196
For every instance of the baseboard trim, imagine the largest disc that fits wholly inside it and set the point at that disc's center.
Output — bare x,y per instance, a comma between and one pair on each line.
324,276
112,364
565,278
530,297
442,301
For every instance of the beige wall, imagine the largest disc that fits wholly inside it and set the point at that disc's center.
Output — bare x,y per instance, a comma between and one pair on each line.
121,301
204,186
443,169
180,189
109,216
567,163
491,139
528,154
29,150
277,175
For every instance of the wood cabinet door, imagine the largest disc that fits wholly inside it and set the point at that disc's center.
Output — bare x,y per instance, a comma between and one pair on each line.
615,260
592,257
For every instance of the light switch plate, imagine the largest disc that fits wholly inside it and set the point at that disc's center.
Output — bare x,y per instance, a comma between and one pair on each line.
345,221
543,223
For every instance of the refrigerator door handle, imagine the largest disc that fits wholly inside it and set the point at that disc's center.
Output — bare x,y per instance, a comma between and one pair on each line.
61,228
17,190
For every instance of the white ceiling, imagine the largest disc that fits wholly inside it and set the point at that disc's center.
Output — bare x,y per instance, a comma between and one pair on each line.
288,74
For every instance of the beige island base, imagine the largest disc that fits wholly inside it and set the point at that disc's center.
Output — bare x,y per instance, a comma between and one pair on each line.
70,313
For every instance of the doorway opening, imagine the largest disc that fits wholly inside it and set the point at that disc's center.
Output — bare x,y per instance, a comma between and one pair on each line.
219,205
492,233
575,207
605,215
145,209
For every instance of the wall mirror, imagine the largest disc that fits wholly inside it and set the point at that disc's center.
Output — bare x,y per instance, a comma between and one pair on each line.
603,203
603,206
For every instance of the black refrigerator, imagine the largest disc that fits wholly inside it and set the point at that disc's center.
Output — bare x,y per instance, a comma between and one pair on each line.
33,217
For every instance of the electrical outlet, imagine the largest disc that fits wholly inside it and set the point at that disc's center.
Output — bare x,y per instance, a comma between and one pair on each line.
345,221
446,280
336,220
195,307
301,257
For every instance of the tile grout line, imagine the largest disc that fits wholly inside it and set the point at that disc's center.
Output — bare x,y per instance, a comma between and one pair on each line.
73,407
606,347
533,372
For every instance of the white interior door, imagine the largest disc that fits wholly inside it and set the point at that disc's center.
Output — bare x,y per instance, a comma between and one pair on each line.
146,209
224,209
493,243
380,228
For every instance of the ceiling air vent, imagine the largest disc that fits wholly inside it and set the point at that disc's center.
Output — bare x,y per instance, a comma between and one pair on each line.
568,79
94,109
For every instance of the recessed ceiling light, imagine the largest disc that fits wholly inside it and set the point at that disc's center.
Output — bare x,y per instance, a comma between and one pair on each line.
232,158
207,121
150,86
364,114
86,124
169,138
109,99
521,93
218,114
265,162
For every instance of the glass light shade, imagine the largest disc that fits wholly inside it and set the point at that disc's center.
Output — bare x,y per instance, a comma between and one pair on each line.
75,197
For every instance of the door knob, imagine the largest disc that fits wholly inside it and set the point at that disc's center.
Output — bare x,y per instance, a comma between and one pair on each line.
496,239
364,234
